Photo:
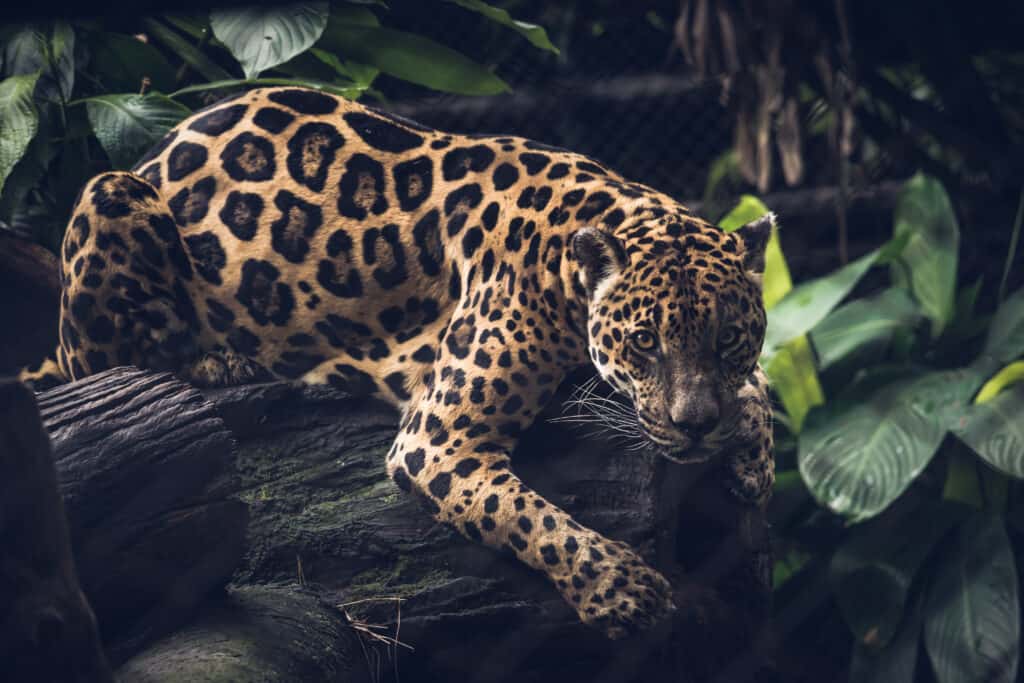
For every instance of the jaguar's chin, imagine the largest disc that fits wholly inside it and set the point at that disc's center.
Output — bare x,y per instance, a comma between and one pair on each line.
682,451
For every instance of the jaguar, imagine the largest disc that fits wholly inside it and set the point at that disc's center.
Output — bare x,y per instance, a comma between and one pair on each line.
290,233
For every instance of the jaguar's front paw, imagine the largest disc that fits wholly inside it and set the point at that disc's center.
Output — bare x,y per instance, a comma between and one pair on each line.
614,590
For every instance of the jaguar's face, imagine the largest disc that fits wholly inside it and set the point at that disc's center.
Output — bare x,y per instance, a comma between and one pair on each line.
677,329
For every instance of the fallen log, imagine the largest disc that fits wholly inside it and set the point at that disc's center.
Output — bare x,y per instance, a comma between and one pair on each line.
424,602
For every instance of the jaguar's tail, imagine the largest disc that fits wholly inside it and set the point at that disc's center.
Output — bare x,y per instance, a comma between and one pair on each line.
46,375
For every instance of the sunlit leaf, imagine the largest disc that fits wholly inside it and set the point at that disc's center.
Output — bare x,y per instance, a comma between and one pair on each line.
128,125
1011,374
862,325
537,36
794,379
928,264
972,615
261,38
19,121
410,57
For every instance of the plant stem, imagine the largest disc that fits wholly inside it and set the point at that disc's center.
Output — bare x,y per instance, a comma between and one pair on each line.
1014,236
962,483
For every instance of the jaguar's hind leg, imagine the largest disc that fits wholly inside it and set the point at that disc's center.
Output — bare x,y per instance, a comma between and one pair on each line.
123,274
224,368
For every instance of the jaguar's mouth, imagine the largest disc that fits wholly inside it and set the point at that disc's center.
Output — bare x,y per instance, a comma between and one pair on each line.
689,456
682,451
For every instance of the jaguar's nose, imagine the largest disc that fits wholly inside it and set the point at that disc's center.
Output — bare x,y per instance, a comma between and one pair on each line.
696,420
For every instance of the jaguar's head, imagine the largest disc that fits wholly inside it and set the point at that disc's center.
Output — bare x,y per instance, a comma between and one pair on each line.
676,323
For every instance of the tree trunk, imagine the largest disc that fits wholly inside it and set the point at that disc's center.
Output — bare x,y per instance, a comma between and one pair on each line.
339,563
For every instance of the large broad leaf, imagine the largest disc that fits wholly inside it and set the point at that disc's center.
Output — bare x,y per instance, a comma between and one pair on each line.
995,430
410,57
120,62
537,36
790,368
858,456
864,325
261,38
128,125
809,302
972,615
47,50
872,571
18,121
927,265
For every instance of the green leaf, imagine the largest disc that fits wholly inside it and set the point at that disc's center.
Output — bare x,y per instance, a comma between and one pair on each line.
121,61
25,51
1005,340
27,173
19,121
995,431
128,125
794,379
410,57
927,266
972,614
341,90
873,570
809,302
858,456
191,55
261,38
537,36
864,325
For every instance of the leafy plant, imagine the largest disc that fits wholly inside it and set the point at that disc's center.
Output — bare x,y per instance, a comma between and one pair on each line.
76,99
915,452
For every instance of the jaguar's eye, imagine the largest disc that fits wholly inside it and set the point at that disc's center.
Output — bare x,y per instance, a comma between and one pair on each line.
727,337
644,340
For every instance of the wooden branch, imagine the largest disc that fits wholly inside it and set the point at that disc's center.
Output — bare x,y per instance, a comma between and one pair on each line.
47,629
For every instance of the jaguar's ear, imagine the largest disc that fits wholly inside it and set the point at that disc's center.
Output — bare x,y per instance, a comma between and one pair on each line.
753,239
601,256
